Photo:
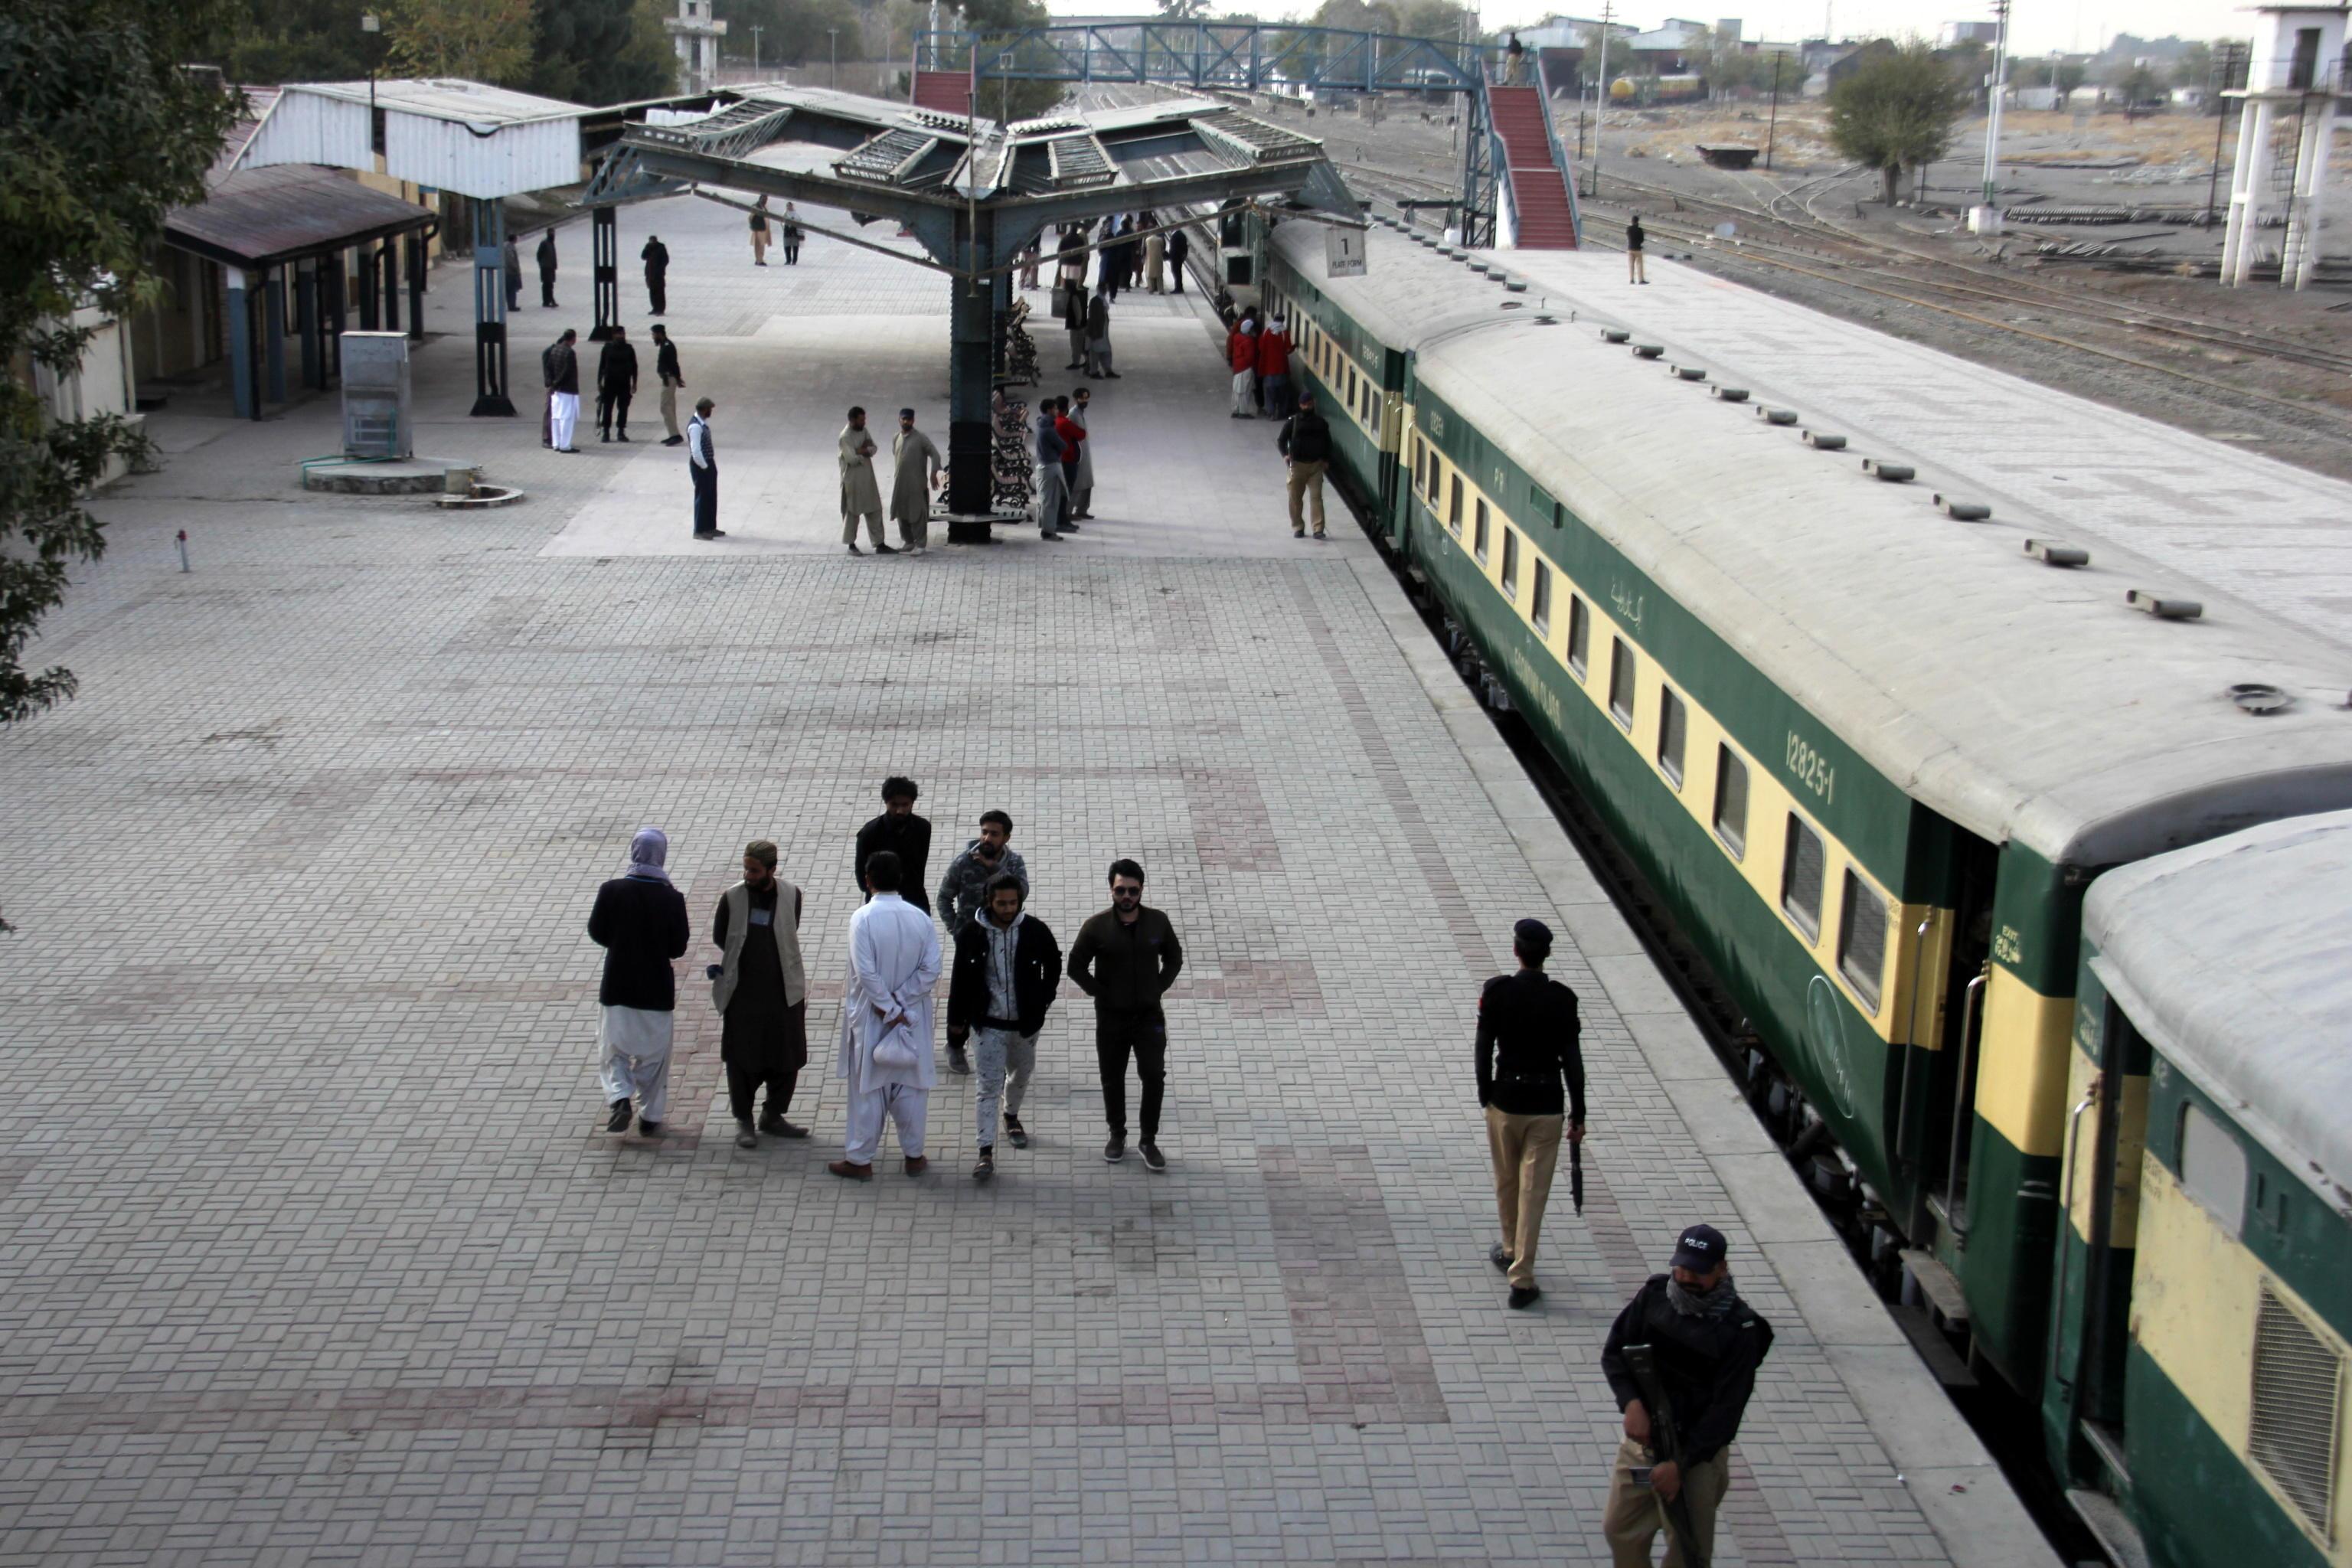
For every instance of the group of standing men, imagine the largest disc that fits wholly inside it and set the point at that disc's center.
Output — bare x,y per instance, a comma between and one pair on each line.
1006,970
1066,464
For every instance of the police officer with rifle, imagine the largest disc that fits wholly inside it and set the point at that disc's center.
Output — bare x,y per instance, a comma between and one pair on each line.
1681,1360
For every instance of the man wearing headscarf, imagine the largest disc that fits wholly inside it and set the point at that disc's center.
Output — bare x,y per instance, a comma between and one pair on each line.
860,495
639,919
1241,353
915,468
1082,482
1528,1051
1274,367
759,991
886,1043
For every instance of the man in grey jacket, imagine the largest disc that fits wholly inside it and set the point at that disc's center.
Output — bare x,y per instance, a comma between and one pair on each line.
964,892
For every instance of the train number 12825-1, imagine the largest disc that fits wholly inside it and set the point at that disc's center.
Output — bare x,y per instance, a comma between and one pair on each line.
1810,769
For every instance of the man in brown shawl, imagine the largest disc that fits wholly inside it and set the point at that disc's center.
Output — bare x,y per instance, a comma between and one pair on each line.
759,991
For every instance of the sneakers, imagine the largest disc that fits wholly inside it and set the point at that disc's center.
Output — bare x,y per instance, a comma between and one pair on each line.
744,1137
648,1129
619,1120
1523,1297
1499,1258
849,1172
1153,1160
1015,1131
987,1166
1116,1150
958,1062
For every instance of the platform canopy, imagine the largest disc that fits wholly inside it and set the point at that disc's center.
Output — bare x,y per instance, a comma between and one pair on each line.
452,135
932,172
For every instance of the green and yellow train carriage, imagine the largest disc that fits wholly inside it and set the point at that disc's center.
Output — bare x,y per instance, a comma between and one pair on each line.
1871,758
2196,1376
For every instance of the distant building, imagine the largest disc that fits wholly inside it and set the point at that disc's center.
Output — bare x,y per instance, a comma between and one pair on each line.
1956,33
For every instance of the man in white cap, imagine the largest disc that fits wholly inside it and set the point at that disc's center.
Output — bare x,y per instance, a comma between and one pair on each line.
886,1053
639,919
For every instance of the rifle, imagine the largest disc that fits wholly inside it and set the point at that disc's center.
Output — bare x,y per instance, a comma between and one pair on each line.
1667,1448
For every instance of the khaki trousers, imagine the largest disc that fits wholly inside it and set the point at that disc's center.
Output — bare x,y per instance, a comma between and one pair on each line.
759,244
1525,1150
669,405
1306,484
1634,1515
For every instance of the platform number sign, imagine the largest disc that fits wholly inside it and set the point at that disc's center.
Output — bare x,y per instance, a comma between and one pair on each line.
1343,252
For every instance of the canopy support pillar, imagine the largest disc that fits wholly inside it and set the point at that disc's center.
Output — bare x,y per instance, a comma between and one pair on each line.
604,251
490,311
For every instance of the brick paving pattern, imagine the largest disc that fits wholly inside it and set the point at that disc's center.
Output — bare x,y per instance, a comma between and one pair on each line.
310,1250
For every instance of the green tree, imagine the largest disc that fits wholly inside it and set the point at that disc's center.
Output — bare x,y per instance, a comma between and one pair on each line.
298,40
2195,64
2069,76
103,131
1897,111
480,40
597,52
2136,87
1726,66
1619,61
1182,10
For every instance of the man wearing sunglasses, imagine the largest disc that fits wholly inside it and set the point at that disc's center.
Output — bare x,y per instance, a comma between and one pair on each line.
1125,958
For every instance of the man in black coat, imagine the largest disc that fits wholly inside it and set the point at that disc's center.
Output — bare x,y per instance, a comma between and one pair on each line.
1706,1344
1529,1047
560,367
616,383
904,834
656,255
639,919
673,380
547,271
1178,247
1007,969
1305,442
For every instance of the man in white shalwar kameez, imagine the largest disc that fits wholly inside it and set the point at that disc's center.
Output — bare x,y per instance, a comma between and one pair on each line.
887,1027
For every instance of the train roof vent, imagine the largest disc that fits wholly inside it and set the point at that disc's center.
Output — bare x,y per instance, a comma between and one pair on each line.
1516,285
1963,511
1730,393
2057,552
2164,607
1687,372
2297,1404
2259,698
1892,473
1824,441
1648,351
1615,335
1776,416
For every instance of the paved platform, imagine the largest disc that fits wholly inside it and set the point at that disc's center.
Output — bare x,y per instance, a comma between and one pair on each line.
2050,463
312,1250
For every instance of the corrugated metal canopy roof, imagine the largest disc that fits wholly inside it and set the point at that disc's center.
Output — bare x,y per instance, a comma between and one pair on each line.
259,218
448,97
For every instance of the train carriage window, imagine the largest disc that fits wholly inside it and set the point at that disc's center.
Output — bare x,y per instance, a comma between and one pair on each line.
1454,508
1731,802
1510,563
1541,603
2212,1168
1800,878
1861,940
1620,682
1580,634
1674,721
1478,533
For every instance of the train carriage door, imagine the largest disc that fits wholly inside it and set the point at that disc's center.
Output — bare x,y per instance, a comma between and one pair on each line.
1935,1143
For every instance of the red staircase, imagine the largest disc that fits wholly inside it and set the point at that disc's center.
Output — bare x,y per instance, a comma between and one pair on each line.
948,92
1538,187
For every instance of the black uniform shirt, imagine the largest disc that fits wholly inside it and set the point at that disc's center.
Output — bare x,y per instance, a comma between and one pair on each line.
1528,1045
1707,1365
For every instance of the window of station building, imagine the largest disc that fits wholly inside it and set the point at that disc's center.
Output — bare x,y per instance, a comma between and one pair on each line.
1580,634
1674,722
1800,877
1541,603
1510,563
2213,1168
1731,802
1478,533
1454,508
1861,940
1621,682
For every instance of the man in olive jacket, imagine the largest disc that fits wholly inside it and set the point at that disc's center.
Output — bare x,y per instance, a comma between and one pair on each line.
1125,958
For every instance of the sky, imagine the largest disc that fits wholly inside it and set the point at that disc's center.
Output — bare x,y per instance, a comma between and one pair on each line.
2036,26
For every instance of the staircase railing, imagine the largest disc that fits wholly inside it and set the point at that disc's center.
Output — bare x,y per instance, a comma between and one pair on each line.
1506,235
1559,155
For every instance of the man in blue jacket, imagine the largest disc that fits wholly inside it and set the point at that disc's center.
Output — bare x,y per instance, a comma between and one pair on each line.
1007,969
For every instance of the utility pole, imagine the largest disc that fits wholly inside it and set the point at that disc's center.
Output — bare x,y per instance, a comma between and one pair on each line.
833,47
1773,124
1986,218
1600,95
756,31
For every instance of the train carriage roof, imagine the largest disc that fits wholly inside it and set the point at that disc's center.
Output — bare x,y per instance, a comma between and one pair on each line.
2234,959
2024,702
